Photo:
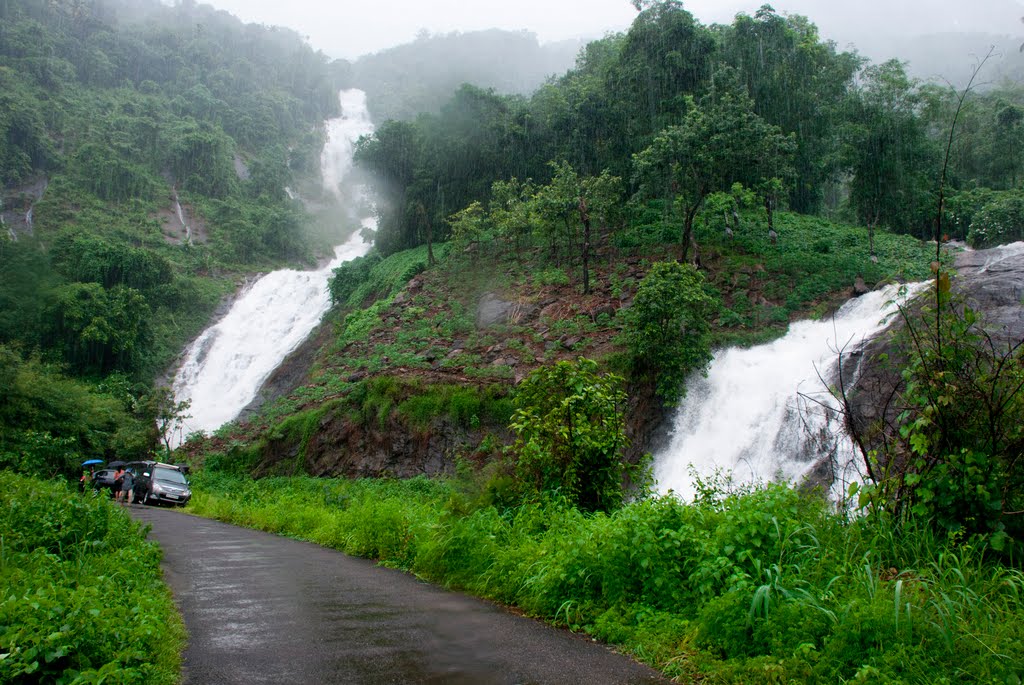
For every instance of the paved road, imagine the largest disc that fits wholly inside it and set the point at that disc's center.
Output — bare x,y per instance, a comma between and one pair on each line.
266,609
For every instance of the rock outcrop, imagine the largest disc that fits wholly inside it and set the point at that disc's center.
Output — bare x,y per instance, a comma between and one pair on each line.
991,283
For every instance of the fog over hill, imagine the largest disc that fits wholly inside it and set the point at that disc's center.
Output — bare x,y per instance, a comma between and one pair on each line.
914,30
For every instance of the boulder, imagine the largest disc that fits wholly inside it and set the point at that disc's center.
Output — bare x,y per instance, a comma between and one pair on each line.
493,310
992,283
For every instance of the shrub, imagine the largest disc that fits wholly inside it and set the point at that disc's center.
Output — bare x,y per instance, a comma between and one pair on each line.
82,600
1000,220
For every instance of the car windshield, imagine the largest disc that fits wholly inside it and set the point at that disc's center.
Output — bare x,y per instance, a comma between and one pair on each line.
169,475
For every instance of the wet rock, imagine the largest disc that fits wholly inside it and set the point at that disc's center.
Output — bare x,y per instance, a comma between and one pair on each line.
992,282
570,342
860,287
492,311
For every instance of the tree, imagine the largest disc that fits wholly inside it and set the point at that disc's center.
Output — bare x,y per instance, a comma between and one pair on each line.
568,203
800,84
570,431
168,415
98,330
719,142
889,153
667,328
666,56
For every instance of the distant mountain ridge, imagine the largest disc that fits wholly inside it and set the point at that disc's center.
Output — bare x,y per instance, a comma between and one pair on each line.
420,76
951,56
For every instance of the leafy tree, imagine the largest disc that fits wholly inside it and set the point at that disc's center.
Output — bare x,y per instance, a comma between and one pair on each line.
720,142
801,85
666,56
569,423
168,415
889,153
667,328
99,330
86,258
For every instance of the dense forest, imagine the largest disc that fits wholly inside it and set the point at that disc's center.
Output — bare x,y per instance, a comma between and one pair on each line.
120,112
679,188
864,142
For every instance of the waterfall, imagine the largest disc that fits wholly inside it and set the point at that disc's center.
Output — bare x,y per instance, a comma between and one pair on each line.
342,135
226,365
764,413
181,219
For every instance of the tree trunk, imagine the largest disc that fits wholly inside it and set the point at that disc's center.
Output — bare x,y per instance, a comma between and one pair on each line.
585,218
689,240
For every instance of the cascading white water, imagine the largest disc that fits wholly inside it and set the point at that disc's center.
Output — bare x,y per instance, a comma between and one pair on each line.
181,219
226,365
763,413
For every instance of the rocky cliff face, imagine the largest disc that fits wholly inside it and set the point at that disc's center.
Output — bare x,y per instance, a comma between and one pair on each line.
991,283
515,332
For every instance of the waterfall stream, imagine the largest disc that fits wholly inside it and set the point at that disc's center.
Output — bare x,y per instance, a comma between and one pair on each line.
764,413
226,365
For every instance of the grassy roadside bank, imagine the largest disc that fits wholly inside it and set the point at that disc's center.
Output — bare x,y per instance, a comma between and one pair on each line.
754,586
82,599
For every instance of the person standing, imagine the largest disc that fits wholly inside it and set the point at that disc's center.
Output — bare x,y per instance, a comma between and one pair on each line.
127,494
118,483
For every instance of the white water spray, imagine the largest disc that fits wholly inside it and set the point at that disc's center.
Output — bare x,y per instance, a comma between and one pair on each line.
226,365
762,413
181,219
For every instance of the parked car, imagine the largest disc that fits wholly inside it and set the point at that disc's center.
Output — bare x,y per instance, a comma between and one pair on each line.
156,483
103,480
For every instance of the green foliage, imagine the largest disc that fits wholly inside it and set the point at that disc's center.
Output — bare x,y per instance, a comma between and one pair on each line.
720,142
377,278
956,463
90,259
890,154
999,220
83,600
759,586
98,330
570,434
463,406
49,423
667,328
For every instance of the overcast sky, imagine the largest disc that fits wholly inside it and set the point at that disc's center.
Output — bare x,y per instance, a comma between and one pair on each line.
350,28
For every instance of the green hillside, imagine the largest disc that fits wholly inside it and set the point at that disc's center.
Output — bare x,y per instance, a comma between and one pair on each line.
549,268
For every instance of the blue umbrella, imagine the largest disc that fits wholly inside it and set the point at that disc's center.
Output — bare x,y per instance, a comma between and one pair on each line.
89,462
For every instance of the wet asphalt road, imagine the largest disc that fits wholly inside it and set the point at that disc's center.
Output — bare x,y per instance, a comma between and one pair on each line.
266,609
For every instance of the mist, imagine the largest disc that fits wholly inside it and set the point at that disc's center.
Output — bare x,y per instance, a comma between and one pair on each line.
348,29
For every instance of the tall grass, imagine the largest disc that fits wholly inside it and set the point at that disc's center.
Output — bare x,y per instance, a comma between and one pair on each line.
763,586
81,596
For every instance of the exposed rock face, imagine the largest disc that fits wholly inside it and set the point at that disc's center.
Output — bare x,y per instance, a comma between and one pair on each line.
992,283
341,446
16,205
493,311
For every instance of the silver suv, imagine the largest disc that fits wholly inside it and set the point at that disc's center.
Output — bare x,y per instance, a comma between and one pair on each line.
157,483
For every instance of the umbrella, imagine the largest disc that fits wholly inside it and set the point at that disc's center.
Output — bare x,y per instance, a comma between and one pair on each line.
116,464
90,462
